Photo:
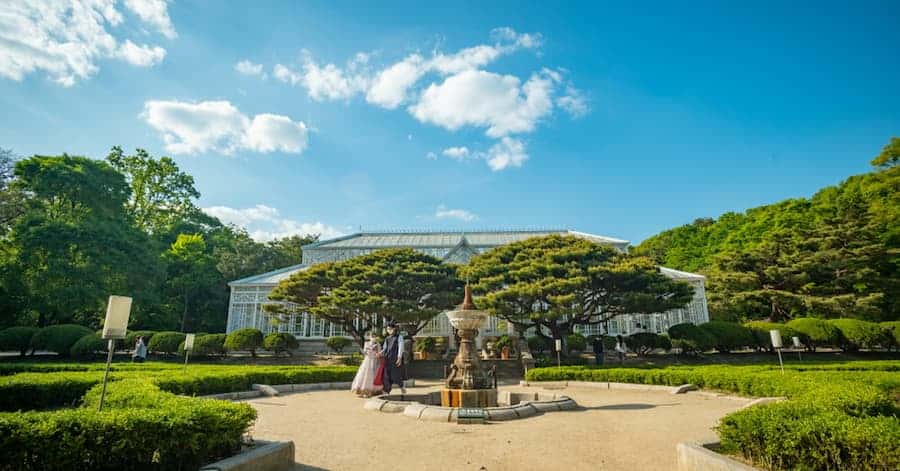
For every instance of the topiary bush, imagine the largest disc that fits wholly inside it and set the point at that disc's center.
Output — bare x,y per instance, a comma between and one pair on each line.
280,342
815,333
537,345
892,329
759,330
165,342
248,339
59,338
690,338
643,343
425,344
338,344
209,345
856,334
728,336
88,345
132,336
17,338
575,343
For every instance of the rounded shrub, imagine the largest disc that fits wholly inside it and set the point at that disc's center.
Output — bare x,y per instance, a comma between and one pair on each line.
165,342
248,339
575,343
856,334
425,344
280,342
338,344
132,336
815,333
88,345
210,345
892,330
17,338
728,336
59,338
537,345
643,343
759,330
690,338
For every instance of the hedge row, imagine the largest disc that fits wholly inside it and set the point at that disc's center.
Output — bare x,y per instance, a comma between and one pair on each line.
141,428
838,416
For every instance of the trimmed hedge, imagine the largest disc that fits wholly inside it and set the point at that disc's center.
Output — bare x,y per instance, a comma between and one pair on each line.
575,343
759,330
280,342
88,345
728,336
690,338
141,428
17,338
27,391
132,336
815,333
248,339
856,334
209,345
643,343
165,342
537,345
59,338
338,344
893,331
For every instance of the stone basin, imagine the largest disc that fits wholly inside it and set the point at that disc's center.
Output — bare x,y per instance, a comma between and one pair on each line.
466,319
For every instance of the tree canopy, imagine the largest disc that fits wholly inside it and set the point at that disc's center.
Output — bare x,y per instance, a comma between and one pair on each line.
555,282
362,293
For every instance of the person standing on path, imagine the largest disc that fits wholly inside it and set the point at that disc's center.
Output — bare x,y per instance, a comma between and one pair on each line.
365,383
598,349
392,352
140,351
621,349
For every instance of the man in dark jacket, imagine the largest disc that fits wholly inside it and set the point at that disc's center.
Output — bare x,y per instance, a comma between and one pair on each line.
598,349
392,350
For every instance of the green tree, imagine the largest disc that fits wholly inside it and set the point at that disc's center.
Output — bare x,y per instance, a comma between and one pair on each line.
890,155
360,294
556,282
192,280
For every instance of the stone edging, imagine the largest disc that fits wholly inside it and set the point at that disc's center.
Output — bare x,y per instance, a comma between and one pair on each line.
697,457
420,411
611,385
259,390
266,456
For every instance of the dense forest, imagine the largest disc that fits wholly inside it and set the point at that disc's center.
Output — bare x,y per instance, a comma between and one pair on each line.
74,230
836,254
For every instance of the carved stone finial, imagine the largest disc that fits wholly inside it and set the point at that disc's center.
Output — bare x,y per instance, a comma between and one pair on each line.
467,303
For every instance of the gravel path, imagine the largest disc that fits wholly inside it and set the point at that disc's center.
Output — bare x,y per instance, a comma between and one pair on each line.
615,430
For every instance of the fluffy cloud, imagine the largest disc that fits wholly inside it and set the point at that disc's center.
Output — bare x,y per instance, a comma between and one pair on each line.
460,214
219,126
327,82
573,102
67,39
246,67
155,13
507,153
390,86
457,153
264,223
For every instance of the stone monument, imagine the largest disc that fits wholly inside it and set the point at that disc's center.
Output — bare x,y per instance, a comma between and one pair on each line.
468,385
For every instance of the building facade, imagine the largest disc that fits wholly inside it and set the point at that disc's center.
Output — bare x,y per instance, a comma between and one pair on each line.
248,295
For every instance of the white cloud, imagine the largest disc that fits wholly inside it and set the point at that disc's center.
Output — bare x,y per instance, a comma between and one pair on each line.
141,56
507,153
327,82
246,67
65,39
154,13
573,102
390,86
284,74
264,223
461,214
484,99
457,153
218,126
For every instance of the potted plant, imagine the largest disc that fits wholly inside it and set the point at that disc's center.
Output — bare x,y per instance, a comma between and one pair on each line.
425,347
504,343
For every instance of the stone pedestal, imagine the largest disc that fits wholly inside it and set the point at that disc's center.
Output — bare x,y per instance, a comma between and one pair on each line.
469,397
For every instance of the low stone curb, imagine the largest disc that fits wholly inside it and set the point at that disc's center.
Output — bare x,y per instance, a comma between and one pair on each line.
603,385
762,400
266,456
696,457
537,404
264,389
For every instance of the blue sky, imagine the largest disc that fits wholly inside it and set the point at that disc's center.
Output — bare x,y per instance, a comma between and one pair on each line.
330,116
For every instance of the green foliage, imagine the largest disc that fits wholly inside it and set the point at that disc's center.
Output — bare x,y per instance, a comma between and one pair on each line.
337,343
691,338
88,345
816,333
893,330
17,338
643,343
728,336
359,294
537,344
27,391
575,343
59,338
761,337
165,342
856,334
280,342
559,281
504,341
132,336
889,156
248,339
210,345
425,344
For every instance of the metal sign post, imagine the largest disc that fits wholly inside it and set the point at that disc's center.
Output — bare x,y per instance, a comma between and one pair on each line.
777,345
114,327
798,346
188,347
558,349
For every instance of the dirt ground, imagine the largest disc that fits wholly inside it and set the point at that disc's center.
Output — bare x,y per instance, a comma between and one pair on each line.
614,430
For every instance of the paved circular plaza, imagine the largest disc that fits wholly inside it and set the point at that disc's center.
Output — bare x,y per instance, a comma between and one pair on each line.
613,430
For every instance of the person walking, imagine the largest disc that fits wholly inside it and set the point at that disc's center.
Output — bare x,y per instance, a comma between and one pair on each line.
367,383
621,349
392,353
139,355
598,349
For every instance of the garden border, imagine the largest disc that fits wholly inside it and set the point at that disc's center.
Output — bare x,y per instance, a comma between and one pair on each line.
694,456
266,456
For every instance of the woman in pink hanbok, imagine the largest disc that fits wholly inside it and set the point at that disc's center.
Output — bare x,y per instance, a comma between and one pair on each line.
367,382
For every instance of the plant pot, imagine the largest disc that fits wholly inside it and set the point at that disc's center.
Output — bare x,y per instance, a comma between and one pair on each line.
504,354
418,355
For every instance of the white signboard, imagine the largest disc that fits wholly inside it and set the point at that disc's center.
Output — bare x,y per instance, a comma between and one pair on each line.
776,338
189,342
117,312
796,341
558,345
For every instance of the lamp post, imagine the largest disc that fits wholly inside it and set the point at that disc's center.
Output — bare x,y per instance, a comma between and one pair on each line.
188,347
777,345
118,309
